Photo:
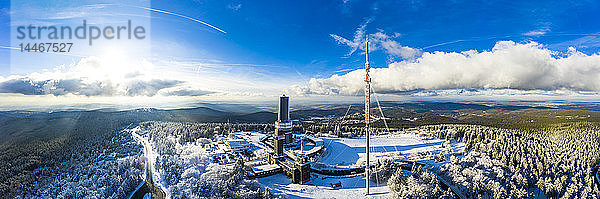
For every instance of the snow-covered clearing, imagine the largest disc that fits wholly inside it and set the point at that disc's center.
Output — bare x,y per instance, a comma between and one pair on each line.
349,152
319,186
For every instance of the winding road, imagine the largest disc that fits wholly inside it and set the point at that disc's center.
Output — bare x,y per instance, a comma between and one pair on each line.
148,185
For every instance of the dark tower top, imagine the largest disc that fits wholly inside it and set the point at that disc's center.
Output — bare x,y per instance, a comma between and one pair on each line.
283,113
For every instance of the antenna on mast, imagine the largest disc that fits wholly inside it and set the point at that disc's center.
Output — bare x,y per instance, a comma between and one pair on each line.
367,113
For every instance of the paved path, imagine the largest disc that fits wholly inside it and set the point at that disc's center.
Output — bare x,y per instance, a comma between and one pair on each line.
148,185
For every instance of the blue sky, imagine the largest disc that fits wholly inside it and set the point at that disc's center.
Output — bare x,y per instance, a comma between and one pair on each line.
297,33
313,47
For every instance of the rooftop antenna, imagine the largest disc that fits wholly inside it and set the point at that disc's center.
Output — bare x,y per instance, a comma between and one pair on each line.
367,113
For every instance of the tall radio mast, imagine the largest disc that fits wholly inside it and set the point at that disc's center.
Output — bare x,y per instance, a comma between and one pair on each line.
367,113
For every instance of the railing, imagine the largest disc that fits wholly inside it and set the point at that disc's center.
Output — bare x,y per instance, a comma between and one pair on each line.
265,173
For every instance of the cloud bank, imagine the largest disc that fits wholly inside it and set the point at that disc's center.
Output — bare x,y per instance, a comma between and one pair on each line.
92,76
509,65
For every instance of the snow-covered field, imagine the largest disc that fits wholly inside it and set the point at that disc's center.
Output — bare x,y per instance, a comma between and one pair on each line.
350,151
319,186
347,152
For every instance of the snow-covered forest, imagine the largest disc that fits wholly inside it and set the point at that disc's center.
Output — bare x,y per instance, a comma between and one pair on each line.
416,183
183,163
556,161
112,169
92,157
68,155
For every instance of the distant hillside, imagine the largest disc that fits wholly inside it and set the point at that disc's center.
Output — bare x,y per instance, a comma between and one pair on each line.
258,117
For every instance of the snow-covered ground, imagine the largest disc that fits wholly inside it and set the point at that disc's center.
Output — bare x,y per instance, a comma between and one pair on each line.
350,151
347,152
319,186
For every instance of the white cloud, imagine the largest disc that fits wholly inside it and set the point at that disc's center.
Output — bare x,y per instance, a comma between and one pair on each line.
358,40
235,7
508,65
538,32
392,47
535,33
379,40
179,91
148,87
4,12
588,41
